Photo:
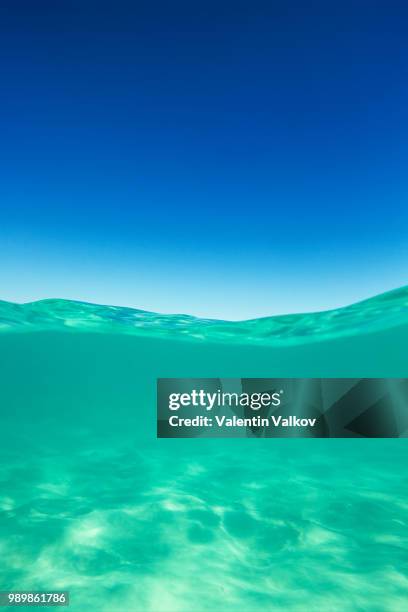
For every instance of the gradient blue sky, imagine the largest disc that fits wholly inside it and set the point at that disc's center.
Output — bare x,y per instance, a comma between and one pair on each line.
224,159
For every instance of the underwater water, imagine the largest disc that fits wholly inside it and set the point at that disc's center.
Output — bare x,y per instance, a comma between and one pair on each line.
93,503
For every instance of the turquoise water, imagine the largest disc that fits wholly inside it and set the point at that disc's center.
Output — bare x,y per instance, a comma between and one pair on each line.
385,311
93,503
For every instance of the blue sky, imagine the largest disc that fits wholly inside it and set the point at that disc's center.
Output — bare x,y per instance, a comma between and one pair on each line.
224,159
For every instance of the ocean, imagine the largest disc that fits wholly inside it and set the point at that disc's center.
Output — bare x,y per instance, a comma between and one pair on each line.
93,503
